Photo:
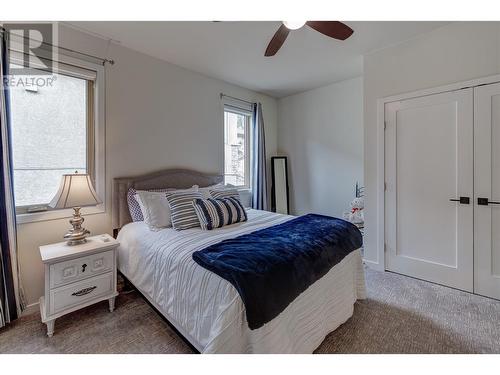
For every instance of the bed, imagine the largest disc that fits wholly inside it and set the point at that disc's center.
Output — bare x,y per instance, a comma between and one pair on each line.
205,308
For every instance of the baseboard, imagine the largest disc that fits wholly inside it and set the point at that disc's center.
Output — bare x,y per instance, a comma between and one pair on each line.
31,309
373,265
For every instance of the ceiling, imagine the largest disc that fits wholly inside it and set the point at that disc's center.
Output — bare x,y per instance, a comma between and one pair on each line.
234,51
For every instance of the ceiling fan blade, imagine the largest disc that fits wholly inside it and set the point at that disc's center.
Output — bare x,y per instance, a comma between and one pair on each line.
277,41
333,29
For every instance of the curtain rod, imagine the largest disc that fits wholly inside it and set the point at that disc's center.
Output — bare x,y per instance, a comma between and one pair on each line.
104,60
222,95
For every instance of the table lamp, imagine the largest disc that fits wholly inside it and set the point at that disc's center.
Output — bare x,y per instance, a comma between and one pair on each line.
75,191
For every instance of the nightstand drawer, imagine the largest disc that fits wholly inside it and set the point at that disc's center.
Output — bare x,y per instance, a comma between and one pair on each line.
78,269
75,294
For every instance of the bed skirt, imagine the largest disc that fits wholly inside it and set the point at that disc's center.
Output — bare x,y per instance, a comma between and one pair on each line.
301,327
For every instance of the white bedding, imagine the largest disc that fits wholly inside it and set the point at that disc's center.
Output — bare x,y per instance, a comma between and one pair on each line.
208,310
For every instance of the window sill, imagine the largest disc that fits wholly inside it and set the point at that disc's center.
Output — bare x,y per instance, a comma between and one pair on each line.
57,214
244,190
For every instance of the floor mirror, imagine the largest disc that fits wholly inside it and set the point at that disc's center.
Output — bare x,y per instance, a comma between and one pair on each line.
279,189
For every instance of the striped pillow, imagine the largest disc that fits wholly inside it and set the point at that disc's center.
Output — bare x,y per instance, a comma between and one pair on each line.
215,213
182,210
206,190
225,193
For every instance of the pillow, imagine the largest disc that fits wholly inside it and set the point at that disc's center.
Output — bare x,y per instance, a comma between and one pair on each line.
133,205
155,209
225,193
206,190
215,213
182,209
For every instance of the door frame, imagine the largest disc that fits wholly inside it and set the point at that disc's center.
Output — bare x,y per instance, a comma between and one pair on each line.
379,263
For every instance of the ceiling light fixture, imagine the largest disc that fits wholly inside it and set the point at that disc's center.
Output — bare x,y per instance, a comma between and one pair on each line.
294,25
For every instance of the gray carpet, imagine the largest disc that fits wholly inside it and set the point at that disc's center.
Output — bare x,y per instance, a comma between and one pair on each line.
400,315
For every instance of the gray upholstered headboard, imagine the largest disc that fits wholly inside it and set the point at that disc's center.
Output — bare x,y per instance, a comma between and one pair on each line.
168,178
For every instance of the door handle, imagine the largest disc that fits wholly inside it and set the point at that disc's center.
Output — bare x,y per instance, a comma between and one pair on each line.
462,200
485,202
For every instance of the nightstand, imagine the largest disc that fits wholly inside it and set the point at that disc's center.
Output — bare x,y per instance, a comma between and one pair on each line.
77,276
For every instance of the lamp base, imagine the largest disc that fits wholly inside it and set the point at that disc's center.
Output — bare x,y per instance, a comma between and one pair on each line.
77,235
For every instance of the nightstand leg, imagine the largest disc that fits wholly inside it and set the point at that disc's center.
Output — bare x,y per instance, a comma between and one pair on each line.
50,327
111,304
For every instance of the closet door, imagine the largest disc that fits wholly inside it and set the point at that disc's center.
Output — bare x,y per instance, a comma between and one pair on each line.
487,190
429,167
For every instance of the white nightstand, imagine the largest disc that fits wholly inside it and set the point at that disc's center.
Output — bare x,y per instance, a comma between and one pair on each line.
77,276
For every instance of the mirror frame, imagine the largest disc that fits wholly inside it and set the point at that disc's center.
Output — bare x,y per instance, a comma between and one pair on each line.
273,190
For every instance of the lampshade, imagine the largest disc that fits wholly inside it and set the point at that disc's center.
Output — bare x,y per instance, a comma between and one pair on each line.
76,190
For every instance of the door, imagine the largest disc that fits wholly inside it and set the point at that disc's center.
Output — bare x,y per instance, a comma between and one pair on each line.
428,167
487,190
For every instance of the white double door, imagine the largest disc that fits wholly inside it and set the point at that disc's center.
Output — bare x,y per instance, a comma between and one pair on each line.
442,174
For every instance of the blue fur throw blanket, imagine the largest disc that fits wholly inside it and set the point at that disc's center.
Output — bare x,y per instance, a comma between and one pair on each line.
270,267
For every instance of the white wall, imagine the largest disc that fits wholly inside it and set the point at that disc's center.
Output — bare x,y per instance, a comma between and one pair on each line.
158,115
456,52
321,131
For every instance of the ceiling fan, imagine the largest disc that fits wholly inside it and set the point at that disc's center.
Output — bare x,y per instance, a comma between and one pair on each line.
333,29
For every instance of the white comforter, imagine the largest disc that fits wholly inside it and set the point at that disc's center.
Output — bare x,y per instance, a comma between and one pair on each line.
208,310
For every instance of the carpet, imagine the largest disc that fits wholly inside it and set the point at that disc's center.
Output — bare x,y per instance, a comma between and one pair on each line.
400,315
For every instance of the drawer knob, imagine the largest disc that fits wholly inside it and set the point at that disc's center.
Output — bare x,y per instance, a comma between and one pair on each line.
83,267
84,291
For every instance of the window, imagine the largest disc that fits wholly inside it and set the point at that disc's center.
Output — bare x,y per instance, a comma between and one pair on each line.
52,133
237,146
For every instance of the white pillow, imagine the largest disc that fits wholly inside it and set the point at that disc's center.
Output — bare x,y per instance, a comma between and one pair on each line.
164,190
206,190
155,209
219,188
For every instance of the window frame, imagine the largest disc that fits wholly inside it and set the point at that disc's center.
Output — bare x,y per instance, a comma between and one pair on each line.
245,109
78,68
